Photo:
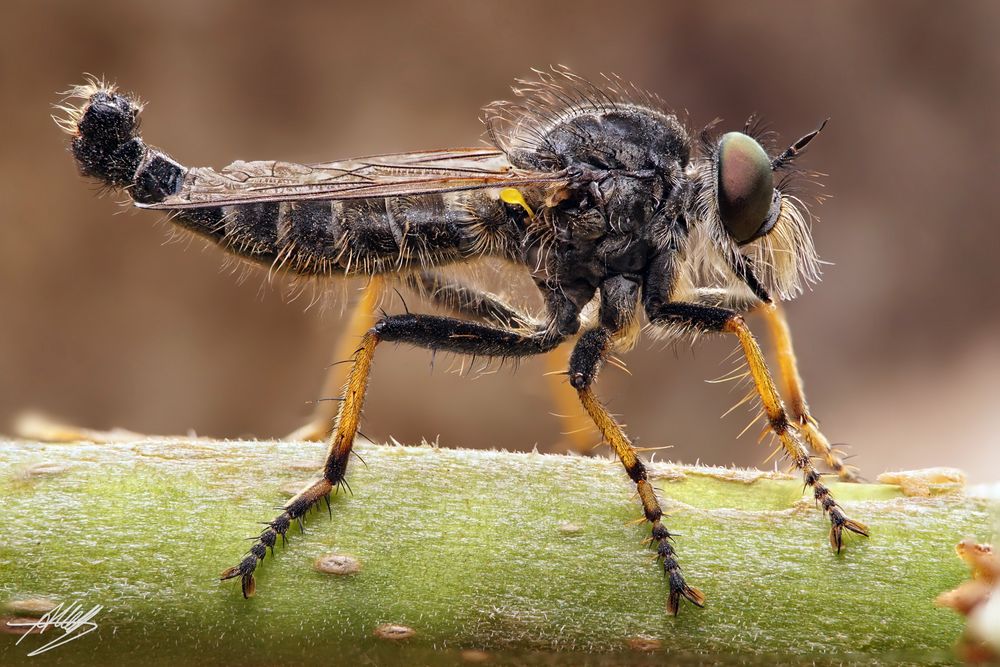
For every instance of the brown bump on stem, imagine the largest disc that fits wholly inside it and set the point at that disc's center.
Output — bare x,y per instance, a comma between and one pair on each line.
35,606
985,564
965,597
978,599
570,528
645,644
394,632
474,655
926,482
337,564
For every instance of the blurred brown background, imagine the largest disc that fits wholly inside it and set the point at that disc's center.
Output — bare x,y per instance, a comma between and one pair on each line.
104,325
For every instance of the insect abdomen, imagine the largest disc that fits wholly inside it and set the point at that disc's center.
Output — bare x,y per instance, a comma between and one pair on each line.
106,144
387,234
308,237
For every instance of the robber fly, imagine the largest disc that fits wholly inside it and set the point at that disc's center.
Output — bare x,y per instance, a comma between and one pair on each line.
595,191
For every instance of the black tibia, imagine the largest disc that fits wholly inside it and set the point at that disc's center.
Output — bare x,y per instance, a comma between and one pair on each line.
585,362
464,300
709,319
659,281
619,295
744,271
468,301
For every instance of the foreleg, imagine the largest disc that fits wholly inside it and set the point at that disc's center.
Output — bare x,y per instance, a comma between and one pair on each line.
797,405
707,318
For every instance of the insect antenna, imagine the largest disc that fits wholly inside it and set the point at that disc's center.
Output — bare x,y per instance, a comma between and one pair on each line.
792,151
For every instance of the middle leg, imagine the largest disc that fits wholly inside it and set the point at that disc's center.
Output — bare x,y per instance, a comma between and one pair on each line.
585,362
781,337
475,304
465,301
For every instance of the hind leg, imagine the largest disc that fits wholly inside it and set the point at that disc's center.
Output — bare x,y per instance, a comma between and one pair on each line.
722,320
481,306
362,317
427,331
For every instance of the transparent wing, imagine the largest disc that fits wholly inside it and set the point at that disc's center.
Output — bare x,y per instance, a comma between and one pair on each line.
376,176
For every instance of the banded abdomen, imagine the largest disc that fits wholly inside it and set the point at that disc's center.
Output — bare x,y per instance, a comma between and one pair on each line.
314,237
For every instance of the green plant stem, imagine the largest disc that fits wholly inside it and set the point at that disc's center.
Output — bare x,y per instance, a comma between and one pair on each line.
518,555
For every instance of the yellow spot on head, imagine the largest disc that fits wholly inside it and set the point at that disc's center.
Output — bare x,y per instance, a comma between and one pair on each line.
514,197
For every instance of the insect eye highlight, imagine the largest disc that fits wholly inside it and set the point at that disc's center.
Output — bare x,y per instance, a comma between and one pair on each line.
745,187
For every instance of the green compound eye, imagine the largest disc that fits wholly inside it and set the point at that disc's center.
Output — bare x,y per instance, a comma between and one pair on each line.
745,187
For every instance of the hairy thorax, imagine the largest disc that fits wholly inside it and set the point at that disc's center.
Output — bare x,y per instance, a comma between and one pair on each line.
626,168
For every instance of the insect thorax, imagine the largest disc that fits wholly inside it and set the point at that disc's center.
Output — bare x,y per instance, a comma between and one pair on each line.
627,138
626,166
